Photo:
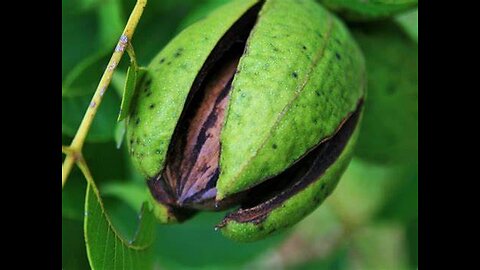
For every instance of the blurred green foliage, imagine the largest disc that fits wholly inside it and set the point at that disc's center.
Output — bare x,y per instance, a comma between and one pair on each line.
390,124
370,221
369,10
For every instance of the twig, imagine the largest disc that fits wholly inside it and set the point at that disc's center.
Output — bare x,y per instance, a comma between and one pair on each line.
74,151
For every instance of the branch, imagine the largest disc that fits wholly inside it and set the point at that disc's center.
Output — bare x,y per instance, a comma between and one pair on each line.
74,152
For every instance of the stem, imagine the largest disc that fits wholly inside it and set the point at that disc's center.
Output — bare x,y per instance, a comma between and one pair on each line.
66,149
75,155
67,167
131,54
85,170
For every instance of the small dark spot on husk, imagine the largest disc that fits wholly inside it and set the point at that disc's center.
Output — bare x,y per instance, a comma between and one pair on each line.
178,53
148,82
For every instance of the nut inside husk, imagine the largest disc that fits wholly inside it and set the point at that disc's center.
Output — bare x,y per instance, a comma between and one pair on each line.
188,181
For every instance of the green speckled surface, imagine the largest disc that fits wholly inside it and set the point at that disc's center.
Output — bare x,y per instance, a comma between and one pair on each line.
301,75
297,207
158,107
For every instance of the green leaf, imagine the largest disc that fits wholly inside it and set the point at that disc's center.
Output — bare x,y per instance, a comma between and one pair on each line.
362,10
120,133
389,130
409,22
106,249
84,77
103,126
128,91
134,77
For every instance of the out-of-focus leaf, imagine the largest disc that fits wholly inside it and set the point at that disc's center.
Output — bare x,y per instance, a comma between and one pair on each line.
88,4
73,196
133,174
402,202
118,82
409,22
381,246
361,192
158,25
195,244
316,238
133,194
111,22
389,130
200,12
106,249
323,222
84,77
103,126
74,256
82,74
106,162
337,261
164,6
80,36
368,10
412,238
